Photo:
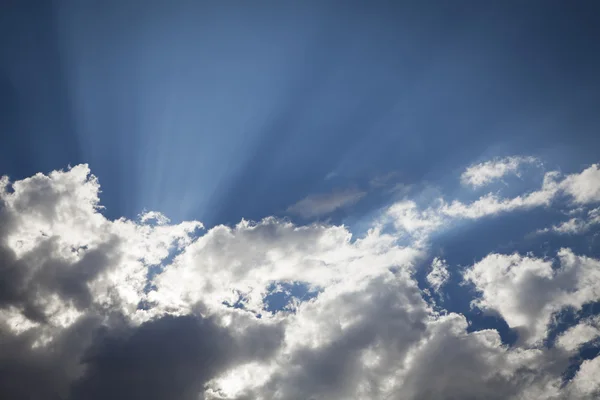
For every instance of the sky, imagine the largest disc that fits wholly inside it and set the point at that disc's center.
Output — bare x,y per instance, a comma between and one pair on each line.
299,200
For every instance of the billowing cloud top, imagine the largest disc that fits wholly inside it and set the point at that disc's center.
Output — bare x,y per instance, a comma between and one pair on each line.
93,308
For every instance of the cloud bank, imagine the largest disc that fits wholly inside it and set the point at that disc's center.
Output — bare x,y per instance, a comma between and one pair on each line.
94,308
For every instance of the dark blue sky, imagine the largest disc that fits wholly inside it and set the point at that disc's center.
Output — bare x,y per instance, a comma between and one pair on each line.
212,111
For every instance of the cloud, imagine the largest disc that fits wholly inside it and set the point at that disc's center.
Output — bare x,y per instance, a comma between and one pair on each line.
527,291
582,333
478,175
439,275
169,357
491,204
450,363
585,186
575,226
322,204
585,384
82,317
246,259
406,216
581,188
154,216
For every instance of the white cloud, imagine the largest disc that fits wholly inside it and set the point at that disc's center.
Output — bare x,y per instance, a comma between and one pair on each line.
491,204
154,216
246,259
582,188
526,291
584,332
575,226
79,316
379,340
481,174
585,186
69,256
439,274
322,204
406,217
586,384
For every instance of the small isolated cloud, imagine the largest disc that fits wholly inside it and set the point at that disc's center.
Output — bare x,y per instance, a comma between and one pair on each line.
321,204
154,216
478,175
439,274
331,175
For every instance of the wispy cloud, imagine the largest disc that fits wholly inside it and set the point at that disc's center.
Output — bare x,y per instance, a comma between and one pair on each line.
439,274
576,225
322,204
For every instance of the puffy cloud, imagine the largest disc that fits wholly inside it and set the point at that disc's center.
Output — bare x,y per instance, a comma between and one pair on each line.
228,263
580,334
60,256
379,341
527,291
450,363
322,204
585,186
481,174
95,308
585,385
340,344
158,218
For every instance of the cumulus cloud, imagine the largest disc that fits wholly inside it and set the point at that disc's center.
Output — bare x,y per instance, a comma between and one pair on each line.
585,384
527,291
81,317
478,175
585,186
154,216
322,204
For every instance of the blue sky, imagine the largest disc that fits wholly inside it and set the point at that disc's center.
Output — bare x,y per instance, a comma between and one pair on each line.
215,112
463,132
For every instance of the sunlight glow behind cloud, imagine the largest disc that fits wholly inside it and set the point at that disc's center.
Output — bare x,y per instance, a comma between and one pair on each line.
299,200
368,332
